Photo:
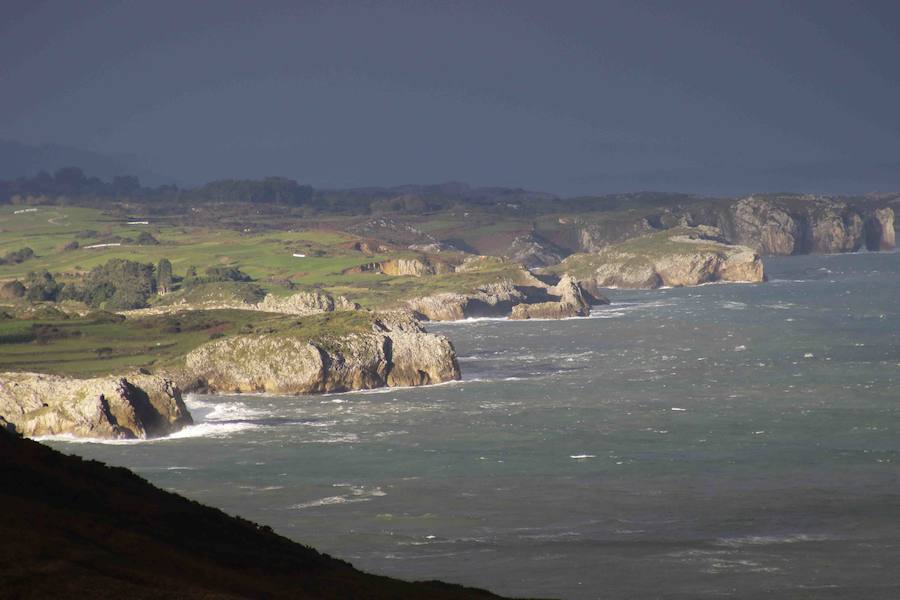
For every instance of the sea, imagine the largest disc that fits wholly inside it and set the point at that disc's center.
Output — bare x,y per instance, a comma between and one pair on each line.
721,441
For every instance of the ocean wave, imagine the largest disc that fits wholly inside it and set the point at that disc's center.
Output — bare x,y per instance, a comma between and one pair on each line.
356,494
213,430
770,540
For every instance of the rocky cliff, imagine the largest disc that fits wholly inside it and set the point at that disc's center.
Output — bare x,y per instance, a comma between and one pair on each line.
769,224
134,406
673,258
395,351
806,225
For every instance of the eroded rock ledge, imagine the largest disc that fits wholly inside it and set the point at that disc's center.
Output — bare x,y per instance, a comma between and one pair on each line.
116,407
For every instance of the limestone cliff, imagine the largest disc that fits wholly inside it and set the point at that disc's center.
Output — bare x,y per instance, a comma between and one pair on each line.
880,234
133,406
396,351
807,224
779,224
674,258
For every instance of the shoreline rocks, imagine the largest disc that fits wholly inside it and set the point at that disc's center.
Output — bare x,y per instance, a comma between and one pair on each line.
113,407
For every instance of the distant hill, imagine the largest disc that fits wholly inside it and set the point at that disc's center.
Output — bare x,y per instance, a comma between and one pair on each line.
73,528
25,160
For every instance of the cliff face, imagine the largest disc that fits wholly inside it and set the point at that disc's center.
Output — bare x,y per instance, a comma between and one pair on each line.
880,234
396,352
769,224
802,225
135,406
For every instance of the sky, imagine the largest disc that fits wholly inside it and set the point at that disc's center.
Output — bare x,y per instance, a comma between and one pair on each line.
572,98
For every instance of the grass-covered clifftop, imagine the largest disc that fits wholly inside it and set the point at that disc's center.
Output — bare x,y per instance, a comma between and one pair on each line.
102,343
77,528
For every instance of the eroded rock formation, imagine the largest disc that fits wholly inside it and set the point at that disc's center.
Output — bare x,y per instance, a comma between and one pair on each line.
133,406
396,352
680,257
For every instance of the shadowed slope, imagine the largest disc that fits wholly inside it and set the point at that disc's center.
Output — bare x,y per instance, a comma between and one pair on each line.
77,528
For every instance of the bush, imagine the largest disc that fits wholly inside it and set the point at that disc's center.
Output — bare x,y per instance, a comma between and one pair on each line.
222,273
12,290
146,239
17,256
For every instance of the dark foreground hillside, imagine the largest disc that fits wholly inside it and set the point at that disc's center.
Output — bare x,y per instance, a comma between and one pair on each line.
73,528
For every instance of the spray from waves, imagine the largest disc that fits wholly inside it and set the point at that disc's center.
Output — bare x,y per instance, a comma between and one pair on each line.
355,494
199,430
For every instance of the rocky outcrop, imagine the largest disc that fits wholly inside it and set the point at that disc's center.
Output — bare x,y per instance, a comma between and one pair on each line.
135,406
406,267
680,257
593,237
880,234
490,300
304,303
571,303
532,251
395,352
526,298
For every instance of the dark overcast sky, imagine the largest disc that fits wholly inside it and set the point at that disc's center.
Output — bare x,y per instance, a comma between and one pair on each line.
566,97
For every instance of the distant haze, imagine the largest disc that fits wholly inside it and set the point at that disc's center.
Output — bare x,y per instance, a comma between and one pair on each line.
566,97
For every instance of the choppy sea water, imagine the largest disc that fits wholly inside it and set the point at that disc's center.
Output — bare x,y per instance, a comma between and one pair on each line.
726,441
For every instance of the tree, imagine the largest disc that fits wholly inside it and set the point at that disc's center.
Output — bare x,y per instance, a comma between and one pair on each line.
164,276
120,284
42,287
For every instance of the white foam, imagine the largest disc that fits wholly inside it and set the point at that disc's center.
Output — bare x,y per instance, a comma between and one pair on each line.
768,540
582,456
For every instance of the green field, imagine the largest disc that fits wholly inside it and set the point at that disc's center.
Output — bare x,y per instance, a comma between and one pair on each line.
331,261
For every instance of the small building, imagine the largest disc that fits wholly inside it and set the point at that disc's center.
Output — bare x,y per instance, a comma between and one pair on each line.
298,255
